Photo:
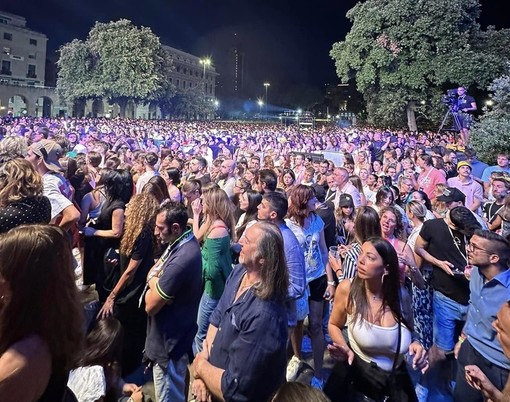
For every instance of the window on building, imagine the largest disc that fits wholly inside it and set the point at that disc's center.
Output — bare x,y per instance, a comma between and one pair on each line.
190,84
31,71
7,36
184,84
32,56
177,83
33,42
6,67
185,71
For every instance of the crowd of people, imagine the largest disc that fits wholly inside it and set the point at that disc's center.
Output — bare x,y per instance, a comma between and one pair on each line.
215,248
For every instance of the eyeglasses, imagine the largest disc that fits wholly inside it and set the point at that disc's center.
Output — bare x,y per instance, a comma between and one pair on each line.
473,247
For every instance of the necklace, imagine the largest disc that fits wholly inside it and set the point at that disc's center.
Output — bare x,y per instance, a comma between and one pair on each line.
371,296
458,242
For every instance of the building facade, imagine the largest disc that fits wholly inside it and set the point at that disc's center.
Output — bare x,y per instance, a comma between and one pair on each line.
190,71
23,54
22,76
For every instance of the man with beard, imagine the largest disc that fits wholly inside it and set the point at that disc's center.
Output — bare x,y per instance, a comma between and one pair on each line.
174,287
500,185
227,179
489,281
197,169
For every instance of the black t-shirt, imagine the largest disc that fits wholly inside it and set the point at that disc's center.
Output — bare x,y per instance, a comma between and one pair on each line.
464,102
142,250
29,210
490,211
328,216
376,151
446,245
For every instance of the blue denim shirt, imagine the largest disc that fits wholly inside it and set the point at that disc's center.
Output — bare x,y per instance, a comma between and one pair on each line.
250,344
484,304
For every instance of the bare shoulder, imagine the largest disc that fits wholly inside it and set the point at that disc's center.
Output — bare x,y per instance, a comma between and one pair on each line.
343,289
217,230
25,368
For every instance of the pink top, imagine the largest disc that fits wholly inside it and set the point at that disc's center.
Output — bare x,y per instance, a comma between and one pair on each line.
427,181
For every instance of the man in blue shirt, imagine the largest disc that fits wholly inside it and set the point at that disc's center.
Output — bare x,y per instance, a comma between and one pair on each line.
174,288
244,354
489,284
273,208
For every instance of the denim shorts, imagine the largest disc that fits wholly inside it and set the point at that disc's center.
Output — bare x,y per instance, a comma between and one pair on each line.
446,313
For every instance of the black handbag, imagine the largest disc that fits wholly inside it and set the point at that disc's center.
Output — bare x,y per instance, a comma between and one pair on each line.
112,269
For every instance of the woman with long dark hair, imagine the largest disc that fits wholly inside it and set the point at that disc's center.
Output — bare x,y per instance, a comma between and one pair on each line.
97,377
106,232
380,332
248,203
173,180
41,317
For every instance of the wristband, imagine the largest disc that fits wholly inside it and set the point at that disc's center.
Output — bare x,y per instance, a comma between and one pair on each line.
461,338
331,283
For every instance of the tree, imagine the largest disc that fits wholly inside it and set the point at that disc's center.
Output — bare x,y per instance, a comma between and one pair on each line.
403,54
75,67
492,133
118,61
190,103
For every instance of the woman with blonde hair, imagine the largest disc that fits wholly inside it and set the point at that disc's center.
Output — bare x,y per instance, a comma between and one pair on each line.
439,208
217,232
136,258
21,195
41,317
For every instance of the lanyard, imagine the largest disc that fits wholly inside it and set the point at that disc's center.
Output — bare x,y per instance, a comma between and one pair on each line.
157,269
464,255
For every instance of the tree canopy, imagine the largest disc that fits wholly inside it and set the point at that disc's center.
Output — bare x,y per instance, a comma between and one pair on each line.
403,54
118,61
492,133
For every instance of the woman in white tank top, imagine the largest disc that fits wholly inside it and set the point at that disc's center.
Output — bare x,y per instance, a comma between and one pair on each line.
371,306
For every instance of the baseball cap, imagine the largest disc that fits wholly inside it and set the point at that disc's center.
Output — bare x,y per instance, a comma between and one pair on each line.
452,194
464,163
320,193
50,151
345,201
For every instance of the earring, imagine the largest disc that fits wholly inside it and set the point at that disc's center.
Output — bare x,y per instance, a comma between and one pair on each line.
382,277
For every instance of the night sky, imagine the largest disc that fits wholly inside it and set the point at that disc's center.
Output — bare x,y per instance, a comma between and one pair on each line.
286,42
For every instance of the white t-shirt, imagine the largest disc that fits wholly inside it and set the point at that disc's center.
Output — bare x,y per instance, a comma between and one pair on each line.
87,383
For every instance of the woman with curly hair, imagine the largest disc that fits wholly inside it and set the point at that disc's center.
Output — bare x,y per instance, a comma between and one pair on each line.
218,231
309,230
21,196
41,317
136,258
157,187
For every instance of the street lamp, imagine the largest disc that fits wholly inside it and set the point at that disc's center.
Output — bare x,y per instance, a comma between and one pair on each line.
260,102
205,63
266,85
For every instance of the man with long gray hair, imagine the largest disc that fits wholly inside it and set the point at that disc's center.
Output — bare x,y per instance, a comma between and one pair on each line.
244,354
